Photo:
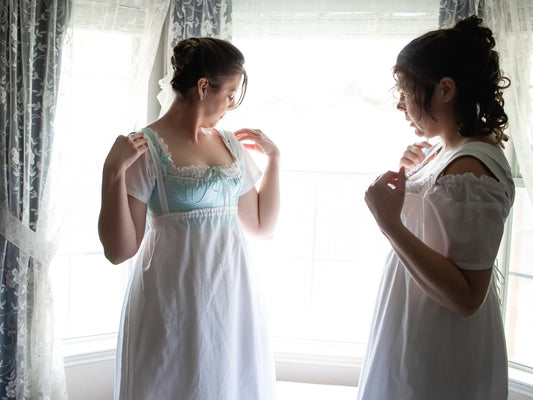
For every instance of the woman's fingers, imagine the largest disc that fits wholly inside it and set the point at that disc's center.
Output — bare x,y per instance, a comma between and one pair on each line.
414,155
138,139
126,150
259,141
385,198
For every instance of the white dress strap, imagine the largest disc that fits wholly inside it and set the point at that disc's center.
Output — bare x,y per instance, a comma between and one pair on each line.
159,172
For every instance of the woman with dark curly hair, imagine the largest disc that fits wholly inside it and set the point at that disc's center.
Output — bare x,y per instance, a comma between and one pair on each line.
193,325
437,331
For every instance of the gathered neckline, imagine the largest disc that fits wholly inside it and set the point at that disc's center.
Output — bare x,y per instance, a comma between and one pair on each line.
193,170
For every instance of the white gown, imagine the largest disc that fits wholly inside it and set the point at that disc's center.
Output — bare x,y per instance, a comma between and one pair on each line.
193,326
418,349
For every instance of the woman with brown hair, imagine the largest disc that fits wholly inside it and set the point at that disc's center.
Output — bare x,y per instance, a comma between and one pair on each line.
437,331
193,326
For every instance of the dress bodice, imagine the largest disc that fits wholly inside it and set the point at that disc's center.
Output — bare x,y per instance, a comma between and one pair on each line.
194,187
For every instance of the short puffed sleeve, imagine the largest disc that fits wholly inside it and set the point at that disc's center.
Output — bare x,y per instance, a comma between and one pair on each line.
464,219
140,178
252,173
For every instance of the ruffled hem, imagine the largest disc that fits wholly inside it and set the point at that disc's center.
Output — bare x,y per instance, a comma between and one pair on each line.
469,179
468,186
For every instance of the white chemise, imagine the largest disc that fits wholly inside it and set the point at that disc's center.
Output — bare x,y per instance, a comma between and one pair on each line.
193,324
418,349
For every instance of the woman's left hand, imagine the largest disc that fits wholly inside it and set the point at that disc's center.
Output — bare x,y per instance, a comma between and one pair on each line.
259,142
385,199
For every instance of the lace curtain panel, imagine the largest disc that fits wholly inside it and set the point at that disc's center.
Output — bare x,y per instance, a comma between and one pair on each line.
512,22
31,37
108,57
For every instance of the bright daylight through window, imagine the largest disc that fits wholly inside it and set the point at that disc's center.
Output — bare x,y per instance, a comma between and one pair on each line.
326,100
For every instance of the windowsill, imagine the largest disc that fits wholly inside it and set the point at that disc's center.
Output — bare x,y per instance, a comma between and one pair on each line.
87,350
296,361
310,391
521,381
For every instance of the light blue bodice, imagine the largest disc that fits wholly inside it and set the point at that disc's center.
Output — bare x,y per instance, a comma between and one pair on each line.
194,187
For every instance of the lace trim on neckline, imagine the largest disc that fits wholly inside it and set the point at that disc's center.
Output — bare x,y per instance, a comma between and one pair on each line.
430,157
195,171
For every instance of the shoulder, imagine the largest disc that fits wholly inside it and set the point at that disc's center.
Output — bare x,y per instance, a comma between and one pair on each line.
465,164
479,158
231,141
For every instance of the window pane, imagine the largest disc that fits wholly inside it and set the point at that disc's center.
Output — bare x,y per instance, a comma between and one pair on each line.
519,318
323,93
321,270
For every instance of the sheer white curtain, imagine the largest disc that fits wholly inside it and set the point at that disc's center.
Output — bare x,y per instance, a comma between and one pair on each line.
512,22
103,93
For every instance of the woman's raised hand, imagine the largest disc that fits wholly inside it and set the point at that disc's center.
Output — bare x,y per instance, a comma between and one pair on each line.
256,140
385,199
414,155
125,151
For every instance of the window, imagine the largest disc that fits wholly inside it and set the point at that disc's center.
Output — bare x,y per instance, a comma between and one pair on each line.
320,86
519,281
519,302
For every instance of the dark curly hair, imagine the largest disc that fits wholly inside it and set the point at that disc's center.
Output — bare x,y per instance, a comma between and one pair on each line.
216,60
466,54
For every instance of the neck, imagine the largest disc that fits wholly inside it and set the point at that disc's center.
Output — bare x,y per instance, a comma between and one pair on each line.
450,136
184,118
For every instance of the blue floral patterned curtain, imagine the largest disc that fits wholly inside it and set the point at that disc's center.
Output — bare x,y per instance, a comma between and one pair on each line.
190,18
452,11
31,34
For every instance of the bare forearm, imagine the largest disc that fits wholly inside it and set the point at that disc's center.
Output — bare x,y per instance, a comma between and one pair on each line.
269,198
442,280
115,224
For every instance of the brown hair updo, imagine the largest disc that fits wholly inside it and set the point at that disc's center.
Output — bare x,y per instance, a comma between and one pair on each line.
466,54
216,60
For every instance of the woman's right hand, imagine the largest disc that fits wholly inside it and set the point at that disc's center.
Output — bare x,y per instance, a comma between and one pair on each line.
414,155
125,151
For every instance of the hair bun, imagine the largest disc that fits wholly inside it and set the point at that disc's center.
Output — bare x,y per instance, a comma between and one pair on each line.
472,30
184,53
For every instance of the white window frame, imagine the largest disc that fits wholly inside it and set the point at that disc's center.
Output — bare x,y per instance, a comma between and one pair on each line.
322,365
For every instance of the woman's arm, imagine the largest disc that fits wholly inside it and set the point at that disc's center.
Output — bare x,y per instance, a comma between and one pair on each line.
459,290
259,210
462,291
122,218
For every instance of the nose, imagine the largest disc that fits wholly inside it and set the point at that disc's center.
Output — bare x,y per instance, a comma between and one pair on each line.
401,103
